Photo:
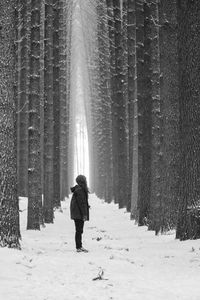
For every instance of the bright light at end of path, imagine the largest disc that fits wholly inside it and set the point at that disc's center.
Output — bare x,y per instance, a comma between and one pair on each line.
81,157
79,97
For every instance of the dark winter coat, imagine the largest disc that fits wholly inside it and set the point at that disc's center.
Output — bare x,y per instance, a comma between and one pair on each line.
79,207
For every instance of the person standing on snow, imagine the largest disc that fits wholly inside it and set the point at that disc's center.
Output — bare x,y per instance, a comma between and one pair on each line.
79,209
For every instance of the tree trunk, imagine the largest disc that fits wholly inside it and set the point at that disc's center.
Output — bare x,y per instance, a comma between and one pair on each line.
120,147
154,215
42,19
146,109
34,158
9,209
111,36
48,114
64,79
115,135
104,108
169,89
131,36
189,84
23,98
125,134
56,103
138,111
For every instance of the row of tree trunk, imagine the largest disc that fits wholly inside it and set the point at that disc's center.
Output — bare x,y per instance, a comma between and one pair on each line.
34,108
147,155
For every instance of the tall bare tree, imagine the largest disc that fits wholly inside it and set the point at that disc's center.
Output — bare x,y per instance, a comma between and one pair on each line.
23,84
103,109
138,111
120,141
34,158
131,48
48,114
56,102
169,94
9,207
64,53
145,95
156,158
189,105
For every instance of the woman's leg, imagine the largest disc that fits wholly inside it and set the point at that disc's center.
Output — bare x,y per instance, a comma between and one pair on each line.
78,235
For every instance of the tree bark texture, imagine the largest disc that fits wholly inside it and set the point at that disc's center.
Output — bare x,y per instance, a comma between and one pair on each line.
64,107
104,108
48,114
189,105
169,94
156,157
23,84
138,111
9,207
111,36
131,47
56,102
34,151
120,141
42,19
145,172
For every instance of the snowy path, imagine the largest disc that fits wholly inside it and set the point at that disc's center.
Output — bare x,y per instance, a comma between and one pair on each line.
137,264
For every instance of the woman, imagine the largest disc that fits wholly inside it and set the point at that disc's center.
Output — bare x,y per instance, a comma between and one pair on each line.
79,209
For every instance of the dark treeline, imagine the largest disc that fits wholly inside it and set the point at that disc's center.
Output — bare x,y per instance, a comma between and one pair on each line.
149,85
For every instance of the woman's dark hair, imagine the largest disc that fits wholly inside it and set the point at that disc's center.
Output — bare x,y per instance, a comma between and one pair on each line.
82,182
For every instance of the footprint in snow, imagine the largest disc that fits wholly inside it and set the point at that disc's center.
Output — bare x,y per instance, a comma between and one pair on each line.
119,249
39,252
97,238
108,248
107,237
29,266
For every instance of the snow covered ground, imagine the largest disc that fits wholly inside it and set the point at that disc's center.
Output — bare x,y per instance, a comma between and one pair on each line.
137,264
